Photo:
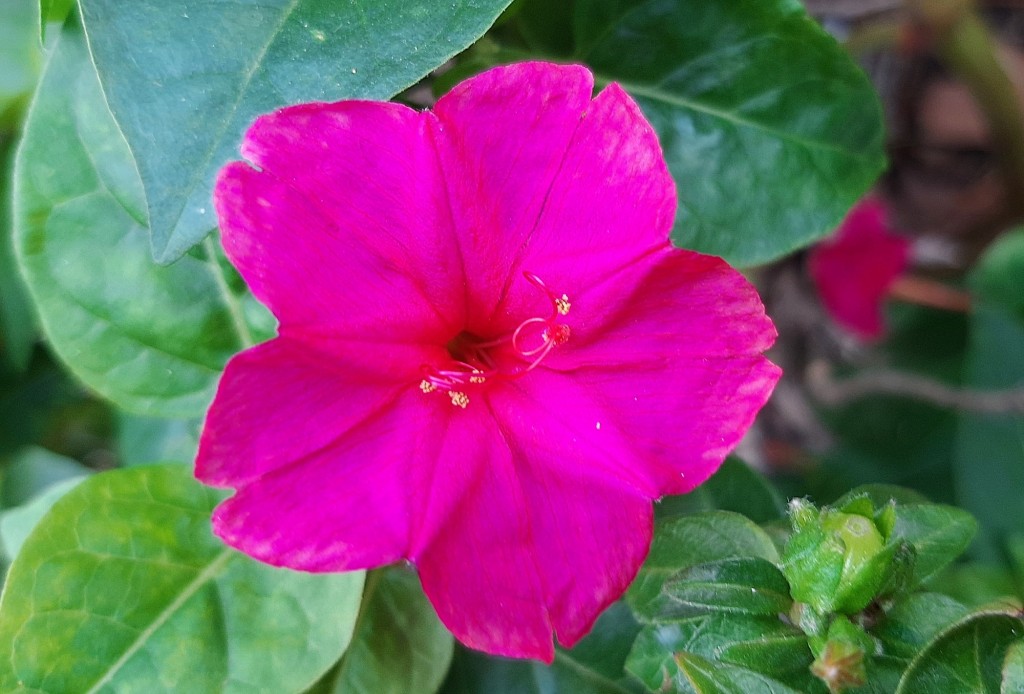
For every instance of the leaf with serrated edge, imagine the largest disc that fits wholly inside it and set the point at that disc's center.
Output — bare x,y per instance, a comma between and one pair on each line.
185,79
123,585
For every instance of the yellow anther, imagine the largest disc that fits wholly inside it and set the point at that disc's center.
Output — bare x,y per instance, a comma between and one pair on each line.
459,399
427,387
563,305
477,379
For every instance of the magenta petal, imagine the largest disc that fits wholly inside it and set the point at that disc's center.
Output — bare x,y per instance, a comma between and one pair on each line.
323,268
854,270
501,138
474,546
342,507
612,201
279,401
677,333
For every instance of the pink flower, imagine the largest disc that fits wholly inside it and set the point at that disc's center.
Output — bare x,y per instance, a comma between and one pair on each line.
854,269
490,359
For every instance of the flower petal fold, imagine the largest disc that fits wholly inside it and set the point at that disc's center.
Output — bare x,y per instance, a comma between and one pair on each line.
501,138
475,547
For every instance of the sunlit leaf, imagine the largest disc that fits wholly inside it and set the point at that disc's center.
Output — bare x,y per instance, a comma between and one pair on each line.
122,587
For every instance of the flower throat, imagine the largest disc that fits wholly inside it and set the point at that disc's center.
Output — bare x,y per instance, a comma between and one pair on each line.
476,361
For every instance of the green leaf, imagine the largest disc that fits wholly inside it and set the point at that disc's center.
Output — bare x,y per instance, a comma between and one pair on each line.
122,587
17,320
204,70
53,12
20,56
911,623
594,666
151,339
151,439
399,645
769,128
683,542
697,675
1013,670
939,534
761,645
989,461
32,471
745,585
965,658
735,487
17,523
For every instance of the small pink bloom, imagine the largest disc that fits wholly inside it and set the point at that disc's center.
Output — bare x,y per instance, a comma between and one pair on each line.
854,269
490,360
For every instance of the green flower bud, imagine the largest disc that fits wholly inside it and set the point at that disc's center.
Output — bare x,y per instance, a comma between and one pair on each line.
835,561
840,657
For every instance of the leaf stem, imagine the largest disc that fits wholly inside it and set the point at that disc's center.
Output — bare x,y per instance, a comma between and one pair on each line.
229,297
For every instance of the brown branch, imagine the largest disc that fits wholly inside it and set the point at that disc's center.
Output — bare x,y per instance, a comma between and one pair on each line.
832,391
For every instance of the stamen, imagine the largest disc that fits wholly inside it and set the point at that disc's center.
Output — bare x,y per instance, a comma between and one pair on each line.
477,359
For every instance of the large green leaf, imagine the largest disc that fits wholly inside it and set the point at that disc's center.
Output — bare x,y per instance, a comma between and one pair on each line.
594,666
17,321
747,585
151,339
185,79
990,447
966,658
907,626
683,542
769,128
763,645
122,587
399,647
939,534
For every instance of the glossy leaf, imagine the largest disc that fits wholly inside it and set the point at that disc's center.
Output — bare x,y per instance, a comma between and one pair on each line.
17,320
911,623
400,645
989,455
763,645
204,70
939,534
151,339
683,542
745,585
594,666
122,587
966,658
748,99
735,487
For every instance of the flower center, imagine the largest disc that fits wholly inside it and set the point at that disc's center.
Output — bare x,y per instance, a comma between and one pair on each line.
477,361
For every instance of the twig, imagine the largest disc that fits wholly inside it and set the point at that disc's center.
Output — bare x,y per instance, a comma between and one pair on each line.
832,391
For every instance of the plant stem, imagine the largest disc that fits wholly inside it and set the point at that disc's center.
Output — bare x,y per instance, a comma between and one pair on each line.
230,299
